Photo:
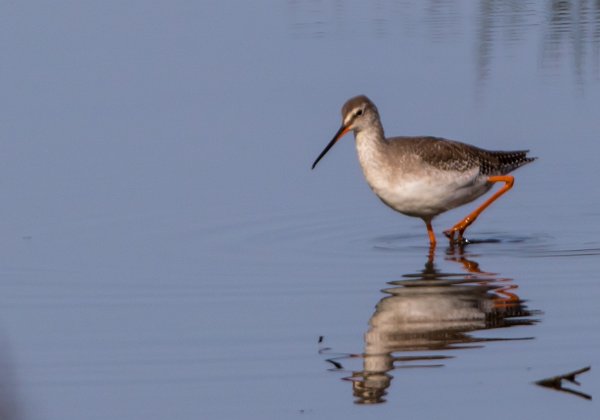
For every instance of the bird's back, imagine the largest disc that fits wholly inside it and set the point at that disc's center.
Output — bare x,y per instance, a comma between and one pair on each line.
450,155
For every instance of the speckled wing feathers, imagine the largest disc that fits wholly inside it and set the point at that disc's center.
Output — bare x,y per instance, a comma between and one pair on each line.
456,156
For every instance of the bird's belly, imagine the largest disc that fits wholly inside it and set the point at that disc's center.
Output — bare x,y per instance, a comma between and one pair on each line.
430,196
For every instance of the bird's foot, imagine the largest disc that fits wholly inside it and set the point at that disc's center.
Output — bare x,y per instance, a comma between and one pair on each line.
460,240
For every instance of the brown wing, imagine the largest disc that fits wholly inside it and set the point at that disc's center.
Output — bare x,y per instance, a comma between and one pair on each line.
453,155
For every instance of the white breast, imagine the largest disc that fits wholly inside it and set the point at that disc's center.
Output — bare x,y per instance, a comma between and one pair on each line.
412,186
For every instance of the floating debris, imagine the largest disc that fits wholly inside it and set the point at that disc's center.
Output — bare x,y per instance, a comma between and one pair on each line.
555,382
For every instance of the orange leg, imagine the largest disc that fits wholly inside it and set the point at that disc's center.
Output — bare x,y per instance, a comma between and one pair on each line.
461,226
432,240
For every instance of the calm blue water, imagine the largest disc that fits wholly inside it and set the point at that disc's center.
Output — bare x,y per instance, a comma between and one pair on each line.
168,253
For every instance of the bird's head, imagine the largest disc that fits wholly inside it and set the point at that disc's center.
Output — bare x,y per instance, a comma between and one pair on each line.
358,113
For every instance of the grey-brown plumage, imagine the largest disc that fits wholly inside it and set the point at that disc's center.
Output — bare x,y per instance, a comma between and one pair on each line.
453,155
424,176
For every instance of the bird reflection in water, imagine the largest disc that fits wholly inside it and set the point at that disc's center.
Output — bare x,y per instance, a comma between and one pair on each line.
427,313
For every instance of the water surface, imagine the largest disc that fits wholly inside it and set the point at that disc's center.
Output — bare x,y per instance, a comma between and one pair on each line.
168,253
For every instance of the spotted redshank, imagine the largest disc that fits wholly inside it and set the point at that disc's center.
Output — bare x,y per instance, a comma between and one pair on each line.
425,176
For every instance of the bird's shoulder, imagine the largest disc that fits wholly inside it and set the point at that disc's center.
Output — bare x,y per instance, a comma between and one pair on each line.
439,152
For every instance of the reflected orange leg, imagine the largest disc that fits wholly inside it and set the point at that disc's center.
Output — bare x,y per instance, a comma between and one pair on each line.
461,226
506,299
470,266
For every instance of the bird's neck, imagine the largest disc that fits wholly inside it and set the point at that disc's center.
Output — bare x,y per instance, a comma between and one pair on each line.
370,146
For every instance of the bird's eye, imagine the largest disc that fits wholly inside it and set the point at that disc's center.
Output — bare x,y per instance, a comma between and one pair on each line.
359,112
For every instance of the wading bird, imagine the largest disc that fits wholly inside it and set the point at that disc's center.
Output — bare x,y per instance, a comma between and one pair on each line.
424,176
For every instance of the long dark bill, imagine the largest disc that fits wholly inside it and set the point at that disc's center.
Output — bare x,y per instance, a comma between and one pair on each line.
343,130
